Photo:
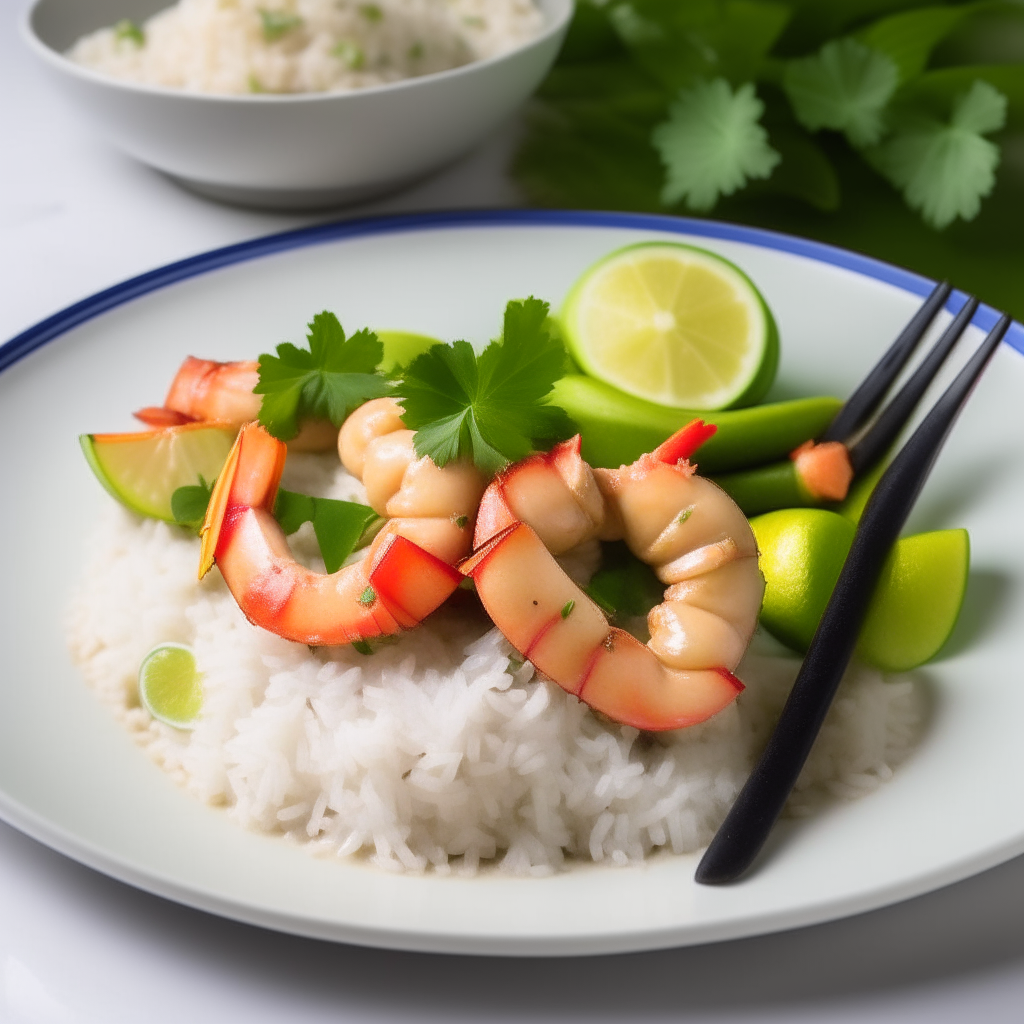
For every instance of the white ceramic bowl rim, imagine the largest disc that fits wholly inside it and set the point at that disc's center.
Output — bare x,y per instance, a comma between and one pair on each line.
62,63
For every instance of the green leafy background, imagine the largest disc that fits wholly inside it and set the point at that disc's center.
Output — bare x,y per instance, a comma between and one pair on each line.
589,138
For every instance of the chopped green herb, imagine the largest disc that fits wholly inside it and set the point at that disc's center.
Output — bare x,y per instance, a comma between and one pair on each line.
329,380
567,608
415,51
467,584
340,526
712,144
514,665
126,31
350,54
255,85
367,597
846,87
188,505
474,21
277,24
490,407
362,647
460,521
371,12
684,515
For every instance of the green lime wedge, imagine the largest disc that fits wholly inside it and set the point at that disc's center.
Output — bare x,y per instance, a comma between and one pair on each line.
143,470
675,325
170,685
916,602
402,347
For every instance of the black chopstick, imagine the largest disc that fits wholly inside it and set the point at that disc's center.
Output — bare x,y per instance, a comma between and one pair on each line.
861,405
762,798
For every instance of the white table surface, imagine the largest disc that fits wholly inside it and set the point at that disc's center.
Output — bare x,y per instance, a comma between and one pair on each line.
77,947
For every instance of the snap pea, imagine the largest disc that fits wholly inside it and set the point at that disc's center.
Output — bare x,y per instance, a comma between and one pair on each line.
618,428
767,488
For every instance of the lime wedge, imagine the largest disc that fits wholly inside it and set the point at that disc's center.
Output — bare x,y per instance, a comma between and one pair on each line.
675,325
402,347
143,470
170,685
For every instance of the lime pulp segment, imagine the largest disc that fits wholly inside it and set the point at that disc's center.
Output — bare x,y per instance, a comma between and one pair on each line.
170,685
674,325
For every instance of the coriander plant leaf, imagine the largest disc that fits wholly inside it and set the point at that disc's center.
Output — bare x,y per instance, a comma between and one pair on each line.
340,526
329,379
845,86
944,170
909,37
291,510
712,144
488,408
188,505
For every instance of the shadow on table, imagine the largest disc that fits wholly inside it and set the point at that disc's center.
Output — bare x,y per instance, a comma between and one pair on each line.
972,928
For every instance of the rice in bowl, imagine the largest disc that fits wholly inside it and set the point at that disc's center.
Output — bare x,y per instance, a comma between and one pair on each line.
298,46
441,751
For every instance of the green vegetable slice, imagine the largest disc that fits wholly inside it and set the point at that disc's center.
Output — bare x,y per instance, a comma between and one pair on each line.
143,470
171,686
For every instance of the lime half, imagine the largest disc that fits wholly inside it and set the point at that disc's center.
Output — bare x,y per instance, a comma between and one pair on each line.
675,325
170,685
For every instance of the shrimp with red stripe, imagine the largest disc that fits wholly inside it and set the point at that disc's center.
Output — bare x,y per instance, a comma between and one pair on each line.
684,526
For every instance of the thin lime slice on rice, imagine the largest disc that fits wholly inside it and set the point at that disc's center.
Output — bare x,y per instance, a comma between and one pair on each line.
143,470
675,325
171,686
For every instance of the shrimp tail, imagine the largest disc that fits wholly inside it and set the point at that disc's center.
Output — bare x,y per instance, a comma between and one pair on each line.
684,442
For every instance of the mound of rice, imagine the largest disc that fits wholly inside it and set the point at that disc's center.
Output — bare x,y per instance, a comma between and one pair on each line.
441,750
291,46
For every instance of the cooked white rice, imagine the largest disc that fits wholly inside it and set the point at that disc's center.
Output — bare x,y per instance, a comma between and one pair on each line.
291,46
431,753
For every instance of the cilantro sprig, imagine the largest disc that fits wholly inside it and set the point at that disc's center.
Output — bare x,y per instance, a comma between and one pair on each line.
330,379
489,408
734,104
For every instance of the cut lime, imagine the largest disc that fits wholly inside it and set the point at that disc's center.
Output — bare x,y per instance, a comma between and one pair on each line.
143,470
916,602
170,685
402,347
675,325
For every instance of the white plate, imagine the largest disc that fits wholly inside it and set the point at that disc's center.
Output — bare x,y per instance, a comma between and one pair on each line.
71,777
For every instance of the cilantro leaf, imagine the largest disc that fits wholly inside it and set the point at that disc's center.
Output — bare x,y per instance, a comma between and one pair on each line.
340,526
489,407
944,170
712,143
188,504
332,378
845,86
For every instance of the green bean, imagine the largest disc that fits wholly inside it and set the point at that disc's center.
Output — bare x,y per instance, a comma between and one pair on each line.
618,428
767,488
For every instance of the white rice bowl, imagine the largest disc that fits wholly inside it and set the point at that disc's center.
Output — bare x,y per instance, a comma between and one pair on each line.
229,46
435,752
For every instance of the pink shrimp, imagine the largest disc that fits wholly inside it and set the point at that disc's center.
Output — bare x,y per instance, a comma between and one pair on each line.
210,392
394,587
696,538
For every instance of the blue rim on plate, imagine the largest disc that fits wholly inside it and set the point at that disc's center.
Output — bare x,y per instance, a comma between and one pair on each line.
53,326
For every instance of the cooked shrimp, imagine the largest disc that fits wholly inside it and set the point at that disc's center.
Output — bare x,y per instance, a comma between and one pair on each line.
211,392
686,527
394,587
433,507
